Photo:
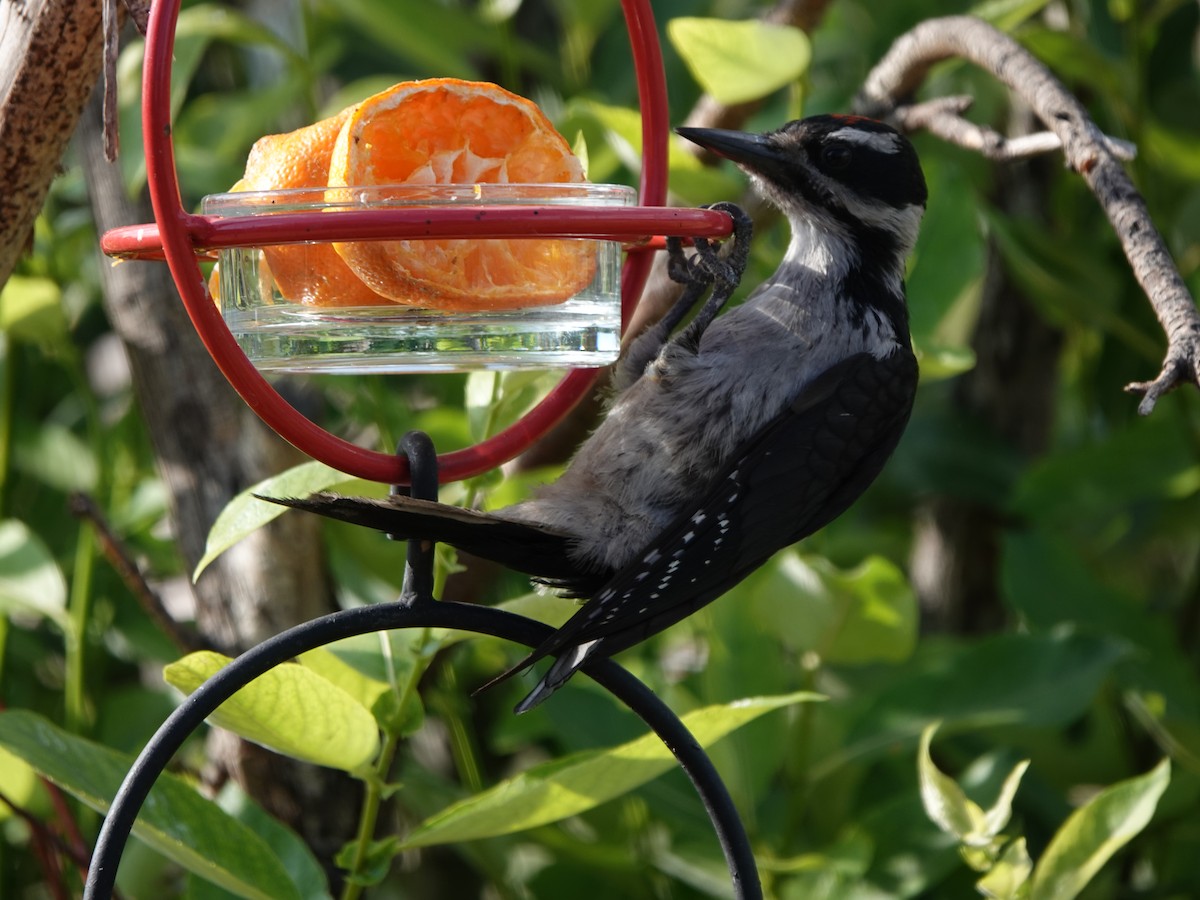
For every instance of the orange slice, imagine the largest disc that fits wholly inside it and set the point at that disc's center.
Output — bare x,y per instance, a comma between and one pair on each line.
447,131
311,274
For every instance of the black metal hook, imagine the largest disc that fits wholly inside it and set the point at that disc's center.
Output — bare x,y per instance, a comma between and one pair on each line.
423,485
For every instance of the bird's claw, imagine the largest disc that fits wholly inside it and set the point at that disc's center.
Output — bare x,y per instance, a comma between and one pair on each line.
706,265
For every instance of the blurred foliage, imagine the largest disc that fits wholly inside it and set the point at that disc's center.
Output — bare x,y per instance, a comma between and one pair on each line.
1094,679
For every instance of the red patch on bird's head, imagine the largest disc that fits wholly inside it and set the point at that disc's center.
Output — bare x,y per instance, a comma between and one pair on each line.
852,119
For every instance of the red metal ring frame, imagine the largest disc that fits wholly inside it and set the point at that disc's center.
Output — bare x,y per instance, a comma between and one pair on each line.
177,236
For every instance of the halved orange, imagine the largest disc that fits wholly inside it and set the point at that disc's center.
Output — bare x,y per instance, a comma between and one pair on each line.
313,274
448,131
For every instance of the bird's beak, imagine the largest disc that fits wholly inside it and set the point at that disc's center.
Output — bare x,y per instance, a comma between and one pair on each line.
754,152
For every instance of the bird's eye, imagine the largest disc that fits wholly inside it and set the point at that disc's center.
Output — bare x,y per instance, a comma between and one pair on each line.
835,156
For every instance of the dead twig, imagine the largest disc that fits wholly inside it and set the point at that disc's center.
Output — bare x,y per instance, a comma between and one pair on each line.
943,117
891,85
83,507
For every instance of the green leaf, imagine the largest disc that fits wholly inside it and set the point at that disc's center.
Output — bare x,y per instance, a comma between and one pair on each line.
56,456
940,363
572,785
944,801
245,513
289,709
860,615
982,683
996,817
440,37
295,855
1009,873
1008,14
1094,481
952,811
175,820
18,783
1096,831
363,688
944,300
210,21
30,580
374,866
739,61
496,400
31,310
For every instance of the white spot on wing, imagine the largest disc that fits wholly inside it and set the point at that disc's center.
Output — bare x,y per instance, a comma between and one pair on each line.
580,652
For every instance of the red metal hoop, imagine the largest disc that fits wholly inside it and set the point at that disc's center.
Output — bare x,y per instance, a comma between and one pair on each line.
177,235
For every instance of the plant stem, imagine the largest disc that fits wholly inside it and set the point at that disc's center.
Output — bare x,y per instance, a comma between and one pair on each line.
8,375
373,800
370,814
78,612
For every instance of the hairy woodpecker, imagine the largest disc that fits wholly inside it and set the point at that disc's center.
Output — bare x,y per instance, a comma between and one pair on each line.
740,434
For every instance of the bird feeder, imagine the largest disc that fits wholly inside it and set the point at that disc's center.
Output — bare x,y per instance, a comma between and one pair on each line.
229,224
181,238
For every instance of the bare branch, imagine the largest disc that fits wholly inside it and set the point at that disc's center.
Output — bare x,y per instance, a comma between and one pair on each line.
112,30
894,81
139,11
186,640
942,117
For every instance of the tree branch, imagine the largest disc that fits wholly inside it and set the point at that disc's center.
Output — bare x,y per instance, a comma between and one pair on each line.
895,79
49,60
942,117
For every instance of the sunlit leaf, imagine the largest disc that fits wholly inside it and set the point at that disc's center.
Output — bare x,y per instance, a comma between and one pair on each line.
18,783
245,513
1094,832
569,786
175,820
736,61
938,363
363,688
944,801
31,310
290,709
1009,873
996,817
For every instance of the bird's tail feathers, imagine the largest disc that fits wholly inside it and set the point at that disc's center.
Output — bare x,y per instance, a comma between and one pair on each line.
532,549
557,675
564,666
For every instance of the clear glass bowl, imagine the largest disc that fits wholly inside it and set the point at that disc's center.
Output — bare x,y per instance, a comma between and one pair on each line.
554,302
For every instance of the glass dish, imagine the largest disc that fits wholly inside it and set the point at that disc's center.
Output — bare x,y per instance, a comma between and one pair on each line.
546,302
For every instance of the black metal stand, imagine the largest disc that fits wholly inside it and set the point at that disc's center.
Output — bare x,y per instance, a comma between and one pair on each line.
416,608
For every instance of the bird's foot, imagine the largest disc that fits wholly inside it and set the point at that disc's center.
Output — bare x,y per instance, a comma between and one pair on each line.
708,267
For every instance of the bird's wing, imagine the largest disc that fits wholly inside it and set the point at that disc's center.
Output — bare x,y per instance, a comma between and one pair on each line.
529,548
791,479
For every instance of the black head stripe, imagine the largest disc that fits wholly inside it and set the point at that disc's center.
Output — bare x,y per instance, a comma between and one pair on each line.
871,158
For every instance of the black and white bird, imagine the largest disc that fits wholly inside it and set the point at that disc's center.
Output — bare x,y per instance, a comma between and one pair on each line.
738,435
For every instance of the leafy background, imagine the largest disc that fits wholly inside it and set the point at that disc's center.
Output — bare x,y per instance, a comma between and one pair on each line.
1026,571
